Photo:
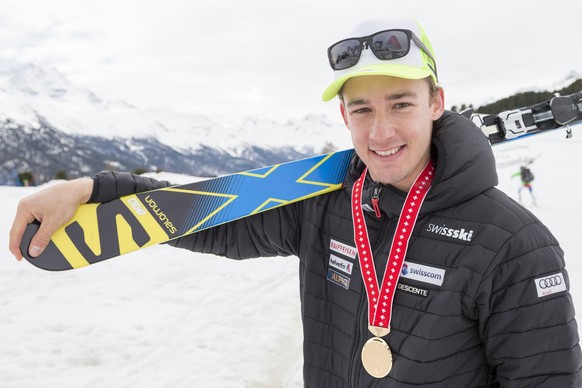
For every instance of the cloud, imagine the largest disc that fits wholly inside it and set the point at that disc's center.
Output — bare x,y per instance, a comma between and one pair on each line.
268,58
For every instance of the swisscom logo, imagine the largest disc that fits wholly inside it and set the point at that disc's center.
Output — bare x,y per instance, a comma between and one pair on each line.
422,273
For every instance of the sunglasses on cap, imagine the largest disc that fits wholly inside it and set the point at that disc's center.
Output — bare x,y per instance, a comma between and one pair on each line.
386,45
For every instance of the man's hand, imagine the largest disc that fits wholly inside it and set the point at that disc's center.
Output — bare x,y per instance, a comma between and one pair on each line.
53,207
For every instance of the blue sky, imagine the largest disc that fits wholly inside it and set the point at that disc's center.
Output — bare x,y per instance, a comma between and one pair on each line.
267,58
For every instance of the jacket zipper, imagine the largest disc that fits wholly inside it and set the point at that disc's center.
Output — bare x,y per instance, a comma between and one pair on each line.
376,201
363,315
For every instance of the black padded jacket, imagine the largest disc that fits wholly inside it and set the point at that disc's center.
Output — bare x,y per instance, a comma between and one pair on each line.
482,301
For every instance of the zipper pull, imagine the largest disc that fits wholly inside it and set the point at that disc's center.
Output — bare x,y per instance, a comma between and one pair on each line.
375,201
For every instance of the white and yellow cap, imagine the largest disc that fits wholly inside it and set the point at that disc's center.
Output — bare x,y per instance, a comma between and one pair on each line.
415,65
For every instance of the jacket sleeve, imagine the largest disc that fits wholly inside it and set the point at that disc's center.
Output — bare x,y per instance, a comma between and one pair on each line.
272,233
526,314
109,185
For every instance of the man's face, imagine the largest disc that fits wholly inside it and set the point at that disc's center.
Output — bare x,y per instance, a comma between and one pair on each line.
390,120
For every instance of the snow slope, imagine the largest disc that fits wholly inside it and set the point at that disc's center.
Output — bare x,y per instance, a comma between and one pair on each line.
163,317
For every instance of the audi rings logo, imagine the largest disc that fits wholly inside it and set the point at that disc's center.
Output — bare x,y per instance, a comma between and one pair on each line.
551,281
551,284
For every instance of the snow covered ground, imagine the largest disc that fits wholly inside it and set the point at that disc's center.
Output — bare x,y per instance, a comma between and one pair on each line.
164,317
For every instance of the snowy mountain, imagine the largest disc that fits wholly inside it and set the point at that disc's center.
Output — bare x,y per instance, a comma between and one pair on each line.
49,124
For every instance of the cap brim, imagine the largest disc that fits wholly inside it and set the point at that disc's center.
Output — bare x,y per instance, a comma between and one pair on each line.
394,70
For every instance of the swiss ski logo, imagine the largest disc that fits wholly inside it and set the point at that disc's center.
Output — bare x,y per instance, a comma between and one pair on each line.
443,230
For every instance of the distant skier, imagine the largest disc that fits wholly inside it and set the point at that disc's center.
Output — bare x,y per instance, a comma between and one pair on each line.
527,177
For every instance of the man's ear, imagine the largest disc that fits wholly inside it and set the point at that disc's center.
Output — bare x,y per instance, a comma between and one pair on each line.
438,104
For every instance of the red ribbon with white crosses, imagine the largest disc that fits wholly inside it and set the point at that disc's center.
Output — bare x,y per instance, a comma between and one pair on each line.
380,299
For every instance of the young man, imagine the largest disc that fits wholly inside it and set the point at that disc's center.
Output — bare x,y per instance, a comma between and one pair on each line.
419,272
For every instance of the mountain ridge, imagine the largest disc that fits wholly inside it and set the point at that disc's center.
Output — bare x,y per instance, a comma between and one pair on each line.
48,124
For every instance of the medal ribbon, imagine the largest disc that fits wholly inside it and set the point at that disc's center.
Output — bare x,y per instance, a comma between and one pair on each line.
380,299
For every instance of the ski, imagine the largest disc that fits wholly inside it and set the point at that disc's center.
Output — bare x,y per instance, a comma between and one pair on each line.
555,113
99,232
102,231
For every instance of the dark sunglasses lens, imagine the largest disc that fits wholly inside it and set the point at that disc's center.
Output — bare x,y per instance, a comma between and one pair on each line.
390,44
345,54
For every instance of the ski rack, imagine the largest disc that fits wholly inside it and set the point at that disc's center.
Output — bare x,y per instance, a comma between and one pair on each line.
552,114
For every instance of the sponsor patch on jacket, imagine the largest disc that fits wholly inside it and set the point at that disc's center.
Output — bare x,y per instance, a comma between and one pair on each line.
341,264
422,273
413,290
457,233
342,248
337,278
550,284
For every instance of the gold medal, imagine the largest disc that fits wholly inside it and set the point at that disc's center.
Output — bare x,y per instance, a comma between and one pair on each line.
377,357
